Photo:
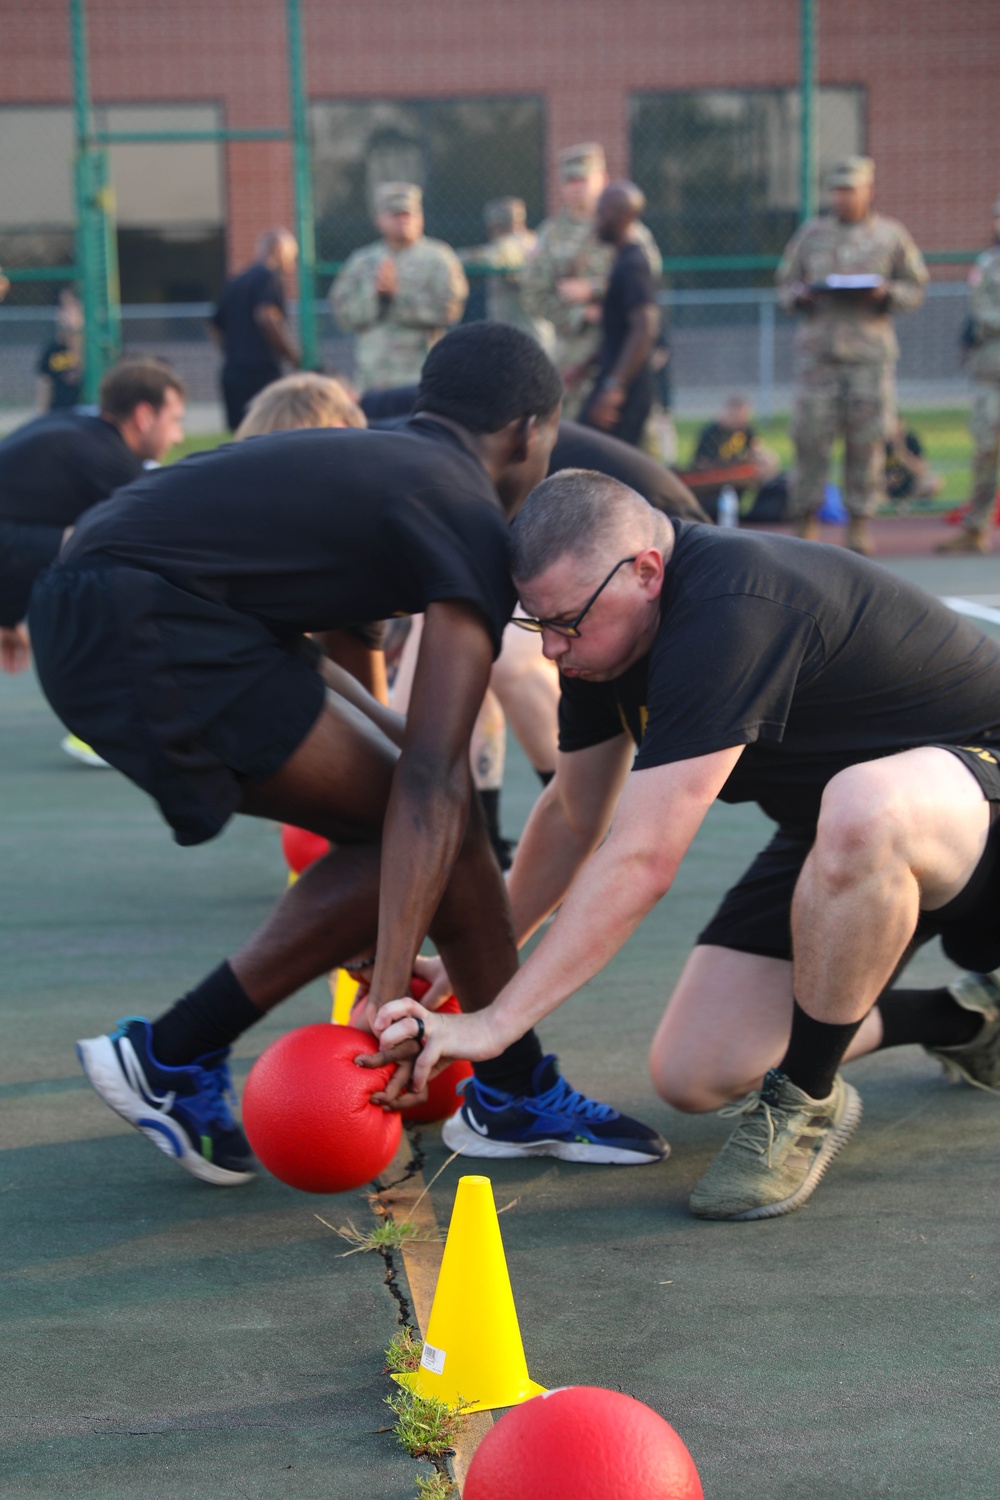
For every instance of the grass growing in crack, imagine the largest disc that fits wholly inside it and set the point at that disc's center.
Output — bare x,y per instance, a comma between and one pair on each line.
403,1354
425,1427
391,1234
438,1487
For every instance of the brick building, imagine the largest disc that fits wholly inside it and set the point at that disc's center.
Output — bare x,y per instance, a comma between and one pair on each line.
698,101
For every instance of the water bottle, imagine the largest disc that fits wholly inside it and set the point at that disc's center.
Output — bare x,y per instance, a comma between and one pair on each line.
727,511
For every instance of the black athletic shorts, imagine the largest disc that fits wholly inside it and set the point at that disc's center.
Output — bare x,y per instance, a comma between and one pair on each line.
25,551
755,915
185,696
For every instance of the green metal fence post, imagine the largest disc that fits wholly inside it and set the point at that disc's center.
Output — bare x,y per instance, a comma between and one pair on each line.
84,193
305,229
807,88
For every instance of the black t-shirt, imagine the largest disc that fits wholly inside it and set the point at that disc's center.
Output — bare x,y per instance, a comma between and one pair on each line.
318,528
61,364
811,657
58,466
630,286
242,338
579,447
719,445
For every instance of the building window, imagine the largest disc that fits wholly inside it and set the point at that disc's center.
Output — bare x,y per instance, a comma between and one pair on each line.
720,167
461,152
169,199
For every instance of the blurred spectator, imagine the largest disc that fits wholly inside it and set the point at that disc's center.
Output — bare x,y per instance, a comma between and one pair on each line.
908,475
60,366
622,397
730,441
302,400
400,294
511,245
250,325
566,279
4,284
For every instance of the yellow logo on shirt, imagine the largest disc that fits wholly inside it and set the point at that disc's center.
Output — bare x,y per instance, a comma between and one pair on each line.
986,755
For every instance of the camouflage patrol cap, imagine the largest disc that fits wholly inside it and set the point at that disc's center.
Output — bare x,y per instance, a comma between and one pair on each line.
398,198
853,171
505,213
580,161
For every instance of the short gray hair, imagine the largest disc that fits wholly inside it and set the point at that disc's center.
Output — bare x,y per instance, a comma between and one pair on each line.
580,513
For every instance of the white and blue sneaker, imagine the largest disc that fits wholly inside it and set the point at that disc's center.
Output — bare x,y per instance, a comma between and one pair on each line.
553,1121
185,1111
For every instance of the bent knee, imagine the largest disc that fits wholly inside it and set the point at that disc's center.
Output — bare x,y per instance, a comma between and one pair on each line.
862,823
685,1088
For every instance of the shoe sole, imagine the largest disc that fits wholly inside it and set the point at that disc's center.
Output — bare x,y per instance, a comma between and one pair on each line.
458,1136
99,1062
835,1142
85,757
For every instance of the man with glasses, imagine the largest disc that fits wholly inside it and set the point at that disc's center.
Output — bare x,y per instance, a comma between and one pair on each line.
859,713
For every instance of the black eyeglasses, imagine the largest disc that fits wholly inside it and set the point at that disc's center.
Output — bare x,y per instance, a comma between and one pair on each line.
569,627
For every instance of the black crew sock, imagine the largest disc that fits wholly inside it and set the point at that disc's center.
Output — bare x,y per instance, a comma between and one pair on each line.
932,1018
207,1019
544,776
815,1052
510,1073
490,798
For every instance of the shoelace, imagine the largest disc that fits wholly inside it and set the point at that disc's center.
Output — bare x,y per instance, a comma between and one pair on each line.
752,1102
218,1095
569,1101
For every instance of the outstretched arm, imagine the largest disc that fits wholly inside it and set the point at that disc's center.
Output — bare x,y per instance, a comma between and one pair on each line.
657,817
429,802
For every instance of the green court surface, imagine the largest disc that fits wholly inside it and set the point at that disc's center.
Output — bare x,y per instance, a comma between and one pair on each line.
165,1338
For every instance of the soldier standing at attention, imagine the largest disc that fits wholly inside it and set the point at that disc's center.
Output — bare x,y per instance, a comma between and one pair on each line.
984,424
844,274
566,280
511,246
400,294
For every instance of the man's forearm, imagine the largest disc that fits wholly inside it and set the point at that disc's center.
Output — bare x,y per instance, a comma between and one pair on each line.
549,854
637,349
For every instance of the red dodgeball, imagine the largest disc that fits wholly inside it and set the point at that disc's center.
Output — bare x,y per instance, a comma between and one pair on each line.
301,848
308,1114
582,1443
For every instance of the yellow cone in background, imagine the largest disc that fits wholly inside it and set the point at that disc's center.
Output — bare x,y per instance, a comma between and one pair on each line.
472,1351
344,991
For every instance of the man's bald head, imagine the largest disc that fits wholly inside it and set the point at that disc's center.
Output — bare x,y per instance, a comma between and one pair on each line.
618,208
278,248
588,516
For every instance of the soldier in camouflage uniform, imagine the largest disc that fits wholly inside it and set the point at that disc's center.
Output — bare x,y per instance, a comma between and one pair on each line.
511,246
566,279
984,423
844,273
400,294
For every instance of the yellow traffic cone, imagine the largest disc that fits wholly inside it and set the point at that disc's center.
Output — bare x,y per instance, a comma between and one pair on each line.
473,1352
344,991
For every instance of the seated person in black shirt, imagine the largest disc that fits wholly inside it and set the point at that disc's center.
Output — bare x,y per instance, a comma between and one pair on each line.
56,467
860,713
170,635
623,392
250,324
730,443
60,365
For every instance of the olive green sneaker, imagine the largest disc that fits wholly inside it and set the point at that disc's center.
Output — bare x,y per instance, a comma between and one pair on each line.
778,1152
978,1061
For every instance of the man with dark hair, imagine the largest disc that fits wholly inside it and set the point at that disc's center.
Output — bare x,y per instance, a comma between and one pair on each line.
56,467
622,397
250,324
171,634
860,713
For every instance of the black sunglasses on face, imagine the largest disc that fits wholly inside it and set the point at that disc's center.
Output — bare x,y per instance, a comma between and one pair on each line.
569,627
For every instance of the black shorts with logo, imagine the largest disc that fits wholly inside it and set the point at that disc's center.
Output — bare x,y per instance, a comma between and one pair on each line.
755,915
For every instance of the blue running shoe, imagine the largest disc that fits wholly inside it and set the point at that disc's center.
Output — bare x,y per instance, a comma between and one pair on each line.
553,1121
184,1111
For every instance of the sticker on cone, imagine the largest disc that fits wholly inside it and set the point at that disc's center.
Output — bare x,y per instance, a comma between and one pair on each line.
473,1352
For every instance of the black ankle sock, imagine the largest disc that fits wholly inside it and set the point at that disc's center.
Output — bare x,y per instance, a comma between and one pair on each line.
815,1052
207,1019
511,1072
544,776
933,1018
490,800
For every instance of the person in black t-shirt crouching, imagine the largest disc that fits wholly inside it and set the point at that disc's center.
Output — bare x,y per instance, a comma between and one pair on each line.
622,397
250,326
171,636
860,713
56,467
